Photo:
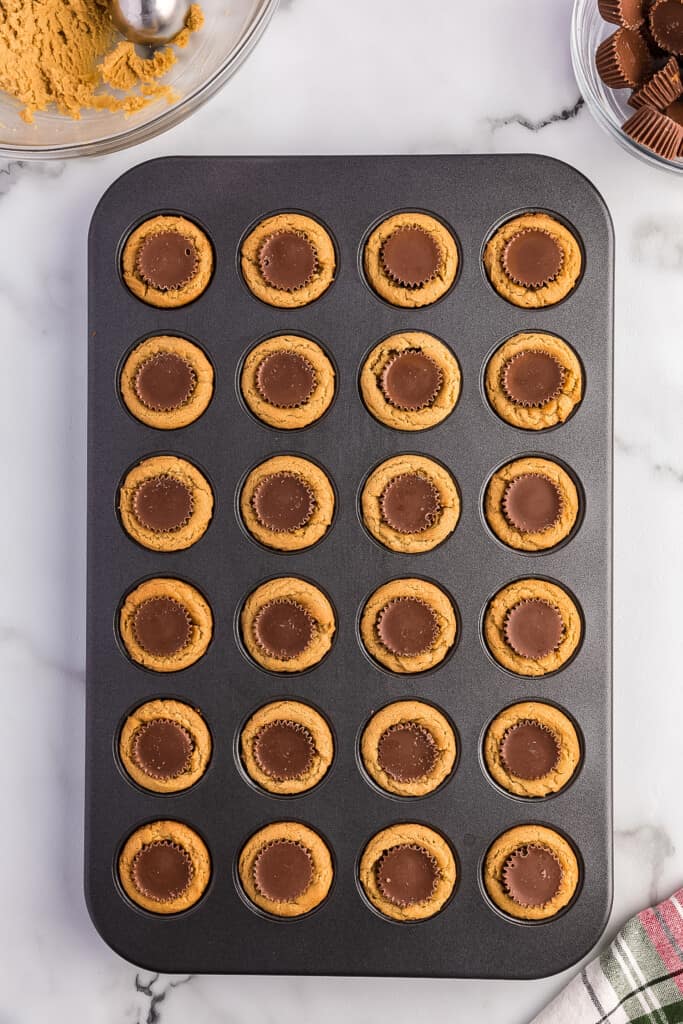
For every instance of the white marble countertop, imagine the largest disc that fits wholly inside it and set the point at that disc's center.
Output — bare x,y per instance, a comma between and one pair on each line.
388,76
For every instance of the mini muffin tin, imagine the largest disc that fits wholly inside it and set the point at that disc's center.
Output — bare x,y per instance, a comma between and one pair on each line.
223,933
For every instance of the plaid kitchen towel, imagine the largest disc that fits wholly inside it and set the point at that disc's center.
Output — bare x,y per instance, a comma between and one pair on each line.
637,980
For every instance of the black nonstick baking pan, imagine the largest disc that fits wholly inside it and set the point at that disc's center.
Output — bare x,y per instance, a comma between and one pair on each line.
473,195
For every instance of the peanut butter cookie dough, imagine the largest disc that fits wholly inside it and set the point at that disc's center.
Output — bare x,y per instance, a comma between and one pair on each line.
531,504
408,872
531,872
165,503
408,748
167,382
286,869
288,260
532,749
410,381
287,624
286,747
287,503
165,746
165,624
532,627
410,503
167,262
534,381
408,625
164,867
533,261
288,382
411,259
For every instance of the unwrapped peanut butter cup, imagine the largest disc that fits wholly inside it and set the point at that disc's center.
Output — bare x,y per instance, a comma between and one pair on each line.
407,874
283,871
287,260
411,256
407,626
162,871
283,750
162,748
666,25
285,379
410,503
284,629
532,876
675,112
162,626
411,380
529,750
532,503
163,504
406,751
623,60
164,382
283,502
661,89
533,628
627,13
167,260
532,258
532,378
653,129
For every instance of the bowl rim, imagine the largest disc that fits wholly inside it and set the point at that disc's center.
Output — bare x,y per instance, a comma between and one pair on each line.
258,21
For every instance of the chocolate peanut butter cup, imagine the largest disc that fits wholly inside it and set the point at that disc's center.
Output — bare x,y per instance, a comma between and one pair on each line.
287,260
533,628
283,871
532,378
666,25
662,89
623,60
407,874
162,749
162,871
410,503
407,626
406,751
163,504
161,626
283,750
167,260
532,503
411,380
656,131
532,876
283,502
675,112
410,256
283,629
164,382
529,750
285,379
532,258
628,13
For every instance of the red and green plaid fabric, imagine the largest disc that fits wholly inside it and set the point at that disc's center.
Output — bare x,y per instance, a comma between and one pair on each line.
637,980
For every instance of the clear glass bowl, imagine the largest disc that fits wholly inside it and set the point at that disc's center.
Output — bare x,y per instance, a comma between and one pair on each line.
231,31
608,106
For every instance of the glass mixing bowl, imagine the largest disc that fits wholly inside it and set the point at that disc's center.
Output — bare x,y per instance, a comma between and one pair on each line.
608,106
231,31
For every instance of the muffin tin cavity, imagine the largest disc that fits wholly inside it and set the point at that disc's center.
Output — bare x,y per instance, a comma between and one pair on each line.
396,663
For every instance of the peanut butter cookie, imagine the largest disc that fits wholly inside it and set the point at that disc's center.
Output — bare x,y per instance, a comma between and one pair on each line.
408,872
531,872
531,504
287,503
286,747
411,259
165,746
286,869
167,262
408,625
165,503
410,503
288,260
288,382
164,867
533,261
167,382
531,749
287,625
165,624
408,748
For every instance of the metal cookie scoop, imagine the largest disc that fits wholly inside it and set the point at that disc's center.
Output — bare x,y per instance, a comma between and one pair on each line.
149,21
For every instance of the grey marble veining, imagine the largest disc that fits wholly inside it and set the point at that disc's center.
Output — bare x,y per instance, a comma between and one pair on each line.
385,76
